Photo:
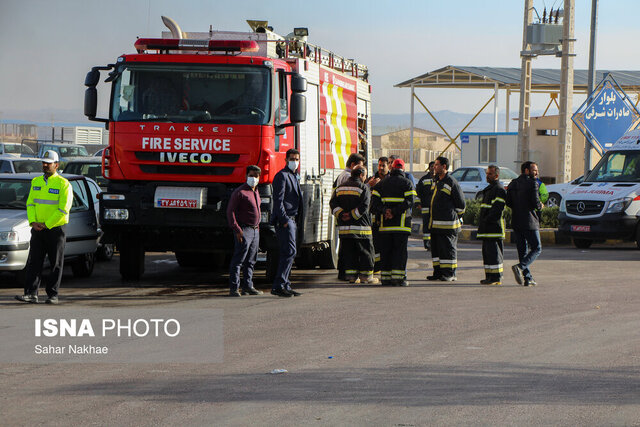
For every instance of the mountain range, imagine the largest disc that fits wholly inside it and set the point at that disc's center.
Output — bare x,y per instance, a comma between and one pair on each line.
452,121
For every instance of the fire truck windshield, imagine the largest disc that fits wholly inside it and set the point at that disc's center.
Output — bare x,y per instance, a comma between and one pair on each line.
192,94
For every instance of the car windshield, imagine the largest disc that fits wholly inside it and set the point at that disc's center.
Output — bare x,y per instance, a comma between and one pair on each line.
12,148
506,173
27,166
14,193
617,166
192,93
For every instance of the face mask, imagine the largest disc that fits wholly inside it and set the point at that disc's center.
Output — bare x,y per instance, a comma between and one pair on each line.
293,165
252,181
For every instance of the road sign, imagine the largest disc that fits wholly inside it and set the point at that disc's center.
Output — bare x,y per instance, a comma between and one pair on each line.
606,116
464,139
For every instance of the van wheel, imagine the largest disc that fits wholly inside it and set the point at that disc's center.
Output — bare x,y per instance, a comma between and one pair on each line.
131,257
83,266
582,243
554,200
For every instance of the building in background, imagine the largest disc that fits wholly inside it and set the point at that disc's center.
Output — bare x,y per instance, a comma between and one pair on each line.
500,148
16,132
427,146
543,143
490,148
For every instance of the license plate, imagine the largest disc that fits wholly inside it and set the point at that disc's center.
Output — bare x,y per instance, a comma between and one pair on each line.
180,197
581,228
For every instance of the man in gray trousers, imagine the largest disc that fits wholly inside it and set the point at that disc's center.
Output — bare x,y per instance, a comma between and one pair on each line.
243,215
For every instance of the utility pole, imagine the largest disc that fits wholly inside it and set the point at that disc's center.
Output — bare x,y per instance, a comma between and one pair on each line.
592,76
566,93
524,117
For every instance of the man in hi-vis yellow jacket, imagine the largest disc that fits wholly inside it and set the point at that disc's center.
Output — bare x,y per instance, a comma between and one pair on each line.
48,206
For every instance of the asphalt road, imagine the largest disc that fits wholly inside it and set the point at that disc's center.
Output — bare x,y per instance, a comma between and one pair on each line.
566,352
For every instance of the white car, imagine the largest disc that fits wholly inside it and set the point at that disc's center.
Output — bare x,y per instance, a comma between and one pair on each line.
473,179
82,231
558,191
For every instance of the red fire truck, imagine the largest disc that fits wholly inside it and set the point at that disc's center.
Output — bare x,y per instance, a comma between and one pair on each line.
190,111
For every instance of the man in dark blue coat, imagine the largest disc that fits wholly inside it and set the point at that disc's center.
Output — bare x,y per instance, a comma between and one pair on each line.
287,212
524,200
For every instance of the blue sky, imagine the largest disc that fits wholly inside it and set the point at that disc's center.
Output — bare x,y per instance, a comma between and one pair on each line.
47,46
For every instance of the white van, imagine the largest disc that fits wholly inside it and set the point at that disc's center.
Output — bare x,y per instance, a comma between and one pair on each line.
606,205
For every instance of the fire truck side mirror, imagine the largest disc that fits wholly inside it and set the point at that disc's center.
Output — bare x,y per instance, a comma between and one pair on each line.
90,102
92,79
298,105
298,83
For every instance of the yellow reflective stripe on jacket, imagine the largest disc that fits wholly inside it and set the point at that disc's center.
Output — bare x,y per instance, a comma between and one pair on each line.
396,228
375,193
49,201
425,210
410,193
392,199
498,199
485,205
448,225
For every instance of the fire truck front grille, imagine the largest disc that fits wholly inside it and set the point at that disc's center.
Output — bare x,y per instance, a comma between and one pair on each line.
149,156
186,170
584,207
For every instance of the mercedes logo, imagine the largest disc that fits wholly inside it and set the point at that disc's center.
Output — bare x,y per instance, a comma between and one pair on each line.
580,207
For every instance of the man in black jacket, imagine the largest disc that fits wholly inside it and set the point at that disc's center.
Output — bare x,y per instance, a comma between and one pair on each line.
446,207
524,201
423,188
392,198
491,227
350,205
382,173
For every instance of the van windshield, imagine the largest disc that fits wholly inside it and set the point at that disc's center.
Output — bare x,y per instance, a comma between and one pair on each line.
617,166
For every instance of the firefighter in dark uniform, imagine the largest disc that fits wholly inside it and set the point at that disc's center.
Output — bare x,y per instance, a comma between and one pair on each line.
382,173
423,188
392,198
445,210
491,227
350,205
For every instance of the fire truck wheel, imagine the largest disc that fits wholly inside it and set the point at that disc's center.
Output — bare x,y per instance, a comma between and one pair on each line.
272,265
131,258
305,259
582,243
83,266
329,255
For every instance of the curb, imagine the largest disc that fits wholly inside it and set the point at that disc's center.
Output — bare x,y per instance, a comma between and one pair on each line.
548,236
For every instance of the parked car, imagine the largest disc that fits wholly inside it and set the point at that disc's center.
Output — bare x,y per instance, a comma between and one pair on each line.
99,153
12,164
472,179
16,149
15,233
90,167
65,151
558,191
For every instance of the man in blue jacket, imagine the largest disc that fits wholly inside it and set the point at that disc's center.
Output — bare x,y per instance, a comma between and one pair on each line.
287,212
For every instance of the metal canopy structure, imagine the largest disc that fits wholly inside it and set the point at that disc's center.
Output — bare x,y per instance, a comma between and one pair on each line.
542,80
545,80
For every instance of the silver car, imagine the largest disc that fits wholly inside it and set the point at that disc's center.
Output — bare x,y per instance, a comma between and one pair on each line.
15,233
473,179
